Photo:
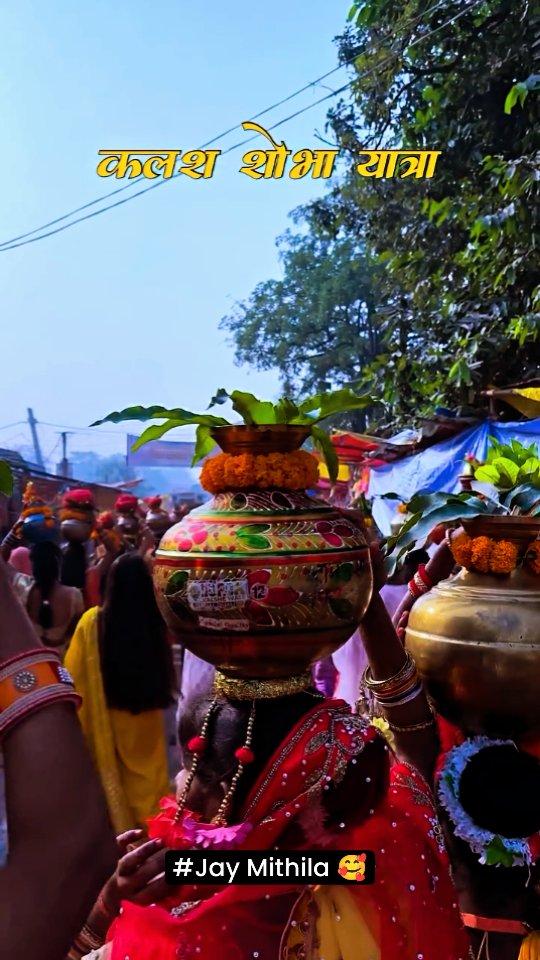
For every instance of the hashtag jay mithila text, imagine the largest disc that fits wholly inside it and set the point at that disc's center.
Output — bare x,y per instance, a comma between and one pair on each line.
270,867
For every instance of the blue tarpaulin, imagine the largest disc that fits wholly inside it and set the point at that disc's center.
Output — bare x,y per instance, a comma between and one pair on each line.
439,467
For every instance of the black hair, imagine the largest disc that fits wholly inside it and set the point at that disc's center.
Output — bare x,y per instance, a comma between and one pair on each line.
136,657
73,568
500,790
274,720
45,560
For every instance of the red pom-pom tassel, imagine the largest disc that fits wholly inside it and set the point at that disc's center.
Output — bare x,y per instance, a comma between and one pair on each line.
244,755
197,744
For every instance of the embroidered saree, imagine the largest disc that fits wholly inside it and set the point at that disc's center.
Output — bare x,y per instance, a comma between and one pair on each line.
408,913
128,749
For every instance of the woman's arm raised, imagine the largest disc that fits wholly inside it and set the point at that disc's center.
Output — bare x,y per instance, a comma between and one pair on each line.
411,722
61,846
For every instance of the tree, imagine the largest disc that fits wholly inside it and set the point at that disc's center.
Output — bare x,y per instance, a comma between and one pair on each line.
461,262
316,325
453,260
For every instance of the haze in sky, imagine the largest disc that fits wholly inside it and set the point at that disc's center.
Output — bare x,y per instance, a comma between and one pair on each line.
125,308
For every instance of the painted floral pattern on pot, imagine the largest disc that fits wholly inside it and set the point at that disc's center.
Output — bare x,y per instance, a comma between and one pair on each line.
204,531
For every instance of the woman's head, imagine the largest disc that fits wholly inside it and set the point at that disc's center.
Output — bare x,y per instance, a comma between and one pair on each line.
45,560
274,721
500,790
136,657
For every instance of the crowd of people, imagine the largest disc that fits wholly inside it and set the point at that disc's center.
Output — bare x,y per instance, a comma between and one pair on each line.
348,764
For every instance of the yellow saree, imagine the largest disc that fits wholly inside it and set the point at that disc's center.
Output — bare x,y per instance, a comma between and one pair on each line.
128,749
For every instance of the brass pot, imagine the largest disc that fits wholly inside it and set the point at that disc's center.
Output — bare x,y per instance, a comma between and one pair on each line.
476,642
76,531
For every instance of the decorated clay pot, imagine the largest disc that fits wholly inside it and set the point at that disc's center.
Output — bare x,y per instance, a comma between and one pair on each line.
263,582
476,640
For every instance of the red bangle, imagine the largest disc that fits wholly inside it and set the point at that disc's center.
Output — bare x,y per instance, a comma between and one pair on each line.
424,576
33,651
421,583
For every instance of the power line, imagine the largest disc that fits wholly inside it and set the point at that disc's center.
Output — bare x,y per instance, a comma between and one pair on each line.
17,423
220,136
65,426
9,245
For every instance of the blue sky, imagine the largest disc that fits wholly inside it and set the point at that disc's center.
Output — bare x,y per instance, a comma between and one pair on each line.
125,308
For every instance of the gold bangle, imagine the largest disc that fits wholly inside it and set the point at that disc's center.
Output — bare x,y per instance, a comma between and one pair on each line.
394,684
411,727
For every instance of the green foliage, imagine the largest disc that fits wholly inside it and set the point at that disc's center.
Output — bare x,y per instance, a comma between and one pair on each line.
459,250
509,465
6,479
316,325
423,292
512,469
254,412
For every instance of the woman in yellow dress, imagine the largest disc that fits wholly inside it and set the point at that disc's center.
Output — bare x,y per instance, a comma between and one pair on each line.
121,664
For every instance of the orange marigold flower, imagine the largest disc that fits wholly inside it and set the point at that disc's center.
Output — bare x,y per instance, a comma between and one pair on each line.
532,556
481,553
503,557
462,549
292,471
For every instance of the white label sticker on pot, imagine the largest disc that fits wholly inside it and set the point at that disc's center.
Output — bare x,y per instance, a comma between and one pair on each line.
211,623
217,594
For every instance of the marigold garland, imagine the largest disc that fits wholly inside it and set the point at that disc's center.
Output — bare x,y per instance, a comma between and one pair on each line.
504,557
484,555
297,470
532,557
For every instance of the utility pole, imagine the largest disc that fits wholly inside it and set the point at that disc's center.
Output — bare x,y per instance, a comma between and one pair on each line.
63,468
32,422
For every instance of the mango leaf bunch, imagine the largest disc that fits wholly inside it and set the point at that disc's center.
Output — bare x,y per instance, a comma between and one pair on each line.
252,412
512,472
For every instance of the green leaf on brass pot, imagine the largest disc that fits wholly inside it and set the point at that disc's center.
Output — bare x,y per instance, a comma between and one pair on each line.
343,573
286,411
525,498
6,479
253,411
176,582
323,405
342,608
204,443
325,447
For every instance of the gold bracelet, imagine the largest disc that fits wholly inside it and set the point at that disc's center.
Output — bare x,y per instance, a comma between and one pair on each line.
411,727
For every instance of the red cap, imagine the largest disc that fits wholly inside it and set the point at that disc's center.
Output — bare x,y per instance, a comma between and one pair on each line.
81,497
126,502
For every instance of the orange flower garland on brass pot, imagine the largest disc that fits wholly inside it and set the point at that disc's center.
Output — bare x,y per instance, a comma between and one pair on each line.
297,470
499,557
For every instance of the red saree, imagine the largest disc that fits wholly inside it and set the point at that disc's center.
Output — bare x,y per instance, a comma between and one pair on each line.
408,913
